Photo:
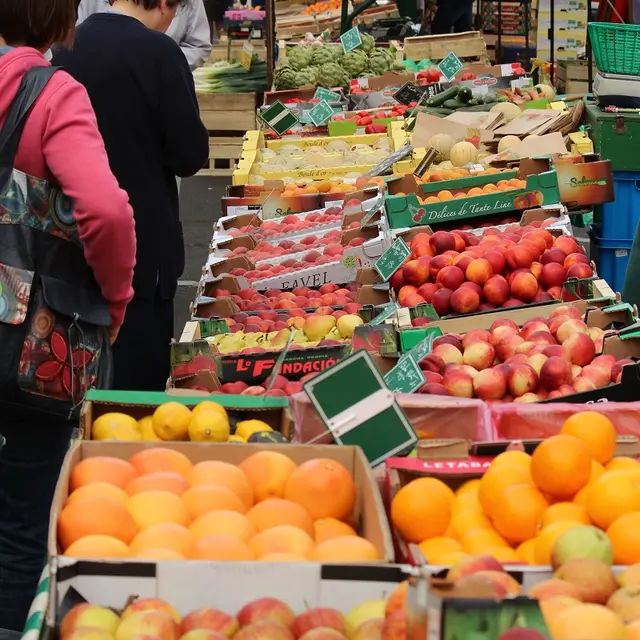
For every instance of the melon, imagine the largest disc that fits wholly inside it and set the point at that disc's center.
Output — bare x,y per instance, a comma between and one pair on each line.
463,153
507,143
507,109
442,143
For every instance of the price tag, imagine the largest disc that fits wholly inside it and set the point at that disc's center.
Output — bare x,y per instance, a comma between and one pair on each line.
392,259
320,113
405,377
385,312
324,94
388,162
423,348
278,118
246,55
351,39
450,66
407,93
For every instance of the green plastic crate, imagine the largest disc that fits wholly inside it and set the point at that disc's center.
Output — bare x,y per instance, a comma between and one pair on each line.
616,47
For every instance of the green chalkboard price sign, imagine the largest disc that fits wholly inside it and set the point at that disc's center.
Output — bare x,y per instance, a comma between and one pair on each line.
320,113
450,66
405,377
392,259
324,94
351,39
278,118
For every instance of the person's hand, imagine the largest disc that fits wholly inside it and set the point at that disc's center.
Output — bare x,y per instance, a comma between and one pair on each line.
113,333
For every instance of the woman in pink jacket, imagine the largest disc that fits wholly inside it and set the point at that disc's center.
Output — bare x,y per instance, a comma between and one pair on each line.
67,252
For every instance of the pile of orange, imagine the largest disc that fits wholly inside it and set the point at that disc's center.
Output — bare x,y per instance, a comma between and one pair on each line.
159,505
502,185
321,7
328,186
454,174
523,503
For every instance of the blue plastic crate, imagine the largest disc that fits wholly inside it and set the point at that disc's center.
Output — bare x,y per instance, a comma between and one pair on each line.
620,218
611,257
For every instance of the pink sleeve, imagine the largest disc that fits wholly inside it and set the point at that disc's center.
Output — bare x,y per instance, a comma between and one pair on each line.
74,153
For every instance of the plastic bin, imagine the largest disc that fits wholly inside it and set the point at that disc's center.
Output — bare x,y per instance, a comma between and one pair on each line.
616,47
619,219
611,256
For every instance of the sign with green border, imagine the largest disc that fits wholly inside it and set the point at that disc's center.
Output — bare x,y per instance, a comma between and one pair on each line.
385,312
278,118
449,66
358,409
351,39
324,94
320,113
406,376
392,259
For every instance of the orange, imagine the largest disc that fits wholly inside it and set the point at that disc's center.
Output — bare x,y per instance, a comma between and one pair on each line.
514,458
477,541
277,512
327,528
98,546
526,551
222,474
221,547
503,554
283,557
154,507
449,559
431,200
623,463
160,481
422,509
166,535
467,501
561,511
519,512
475,191
159,554
209,497
496,480
347,549
561,466
613,495
229,523
434,548
323,487
98,490
268,472
633,630
595,430
592,621
468,521
470,486
95,516
546,538
284,539
159,459
596,471
623,535
445,195
102,469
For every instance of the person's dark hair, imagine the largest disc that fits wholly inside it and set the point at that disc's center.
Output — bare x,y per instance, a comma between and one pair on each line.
36,23
153,4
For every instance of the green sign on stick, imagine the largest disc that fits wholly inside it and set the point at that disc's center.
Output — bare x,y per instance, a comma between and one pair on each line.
358,409
324,94
351,39
386,311
278,118
391,260
406,376
320,113
450,66
423,348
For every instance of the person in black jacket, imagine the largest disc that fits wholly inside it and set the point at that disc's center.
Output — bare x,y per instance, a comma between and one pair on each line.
143,94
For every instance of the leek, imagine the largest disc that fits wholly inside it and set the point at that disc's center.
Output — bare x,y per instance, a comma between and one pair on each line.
231,77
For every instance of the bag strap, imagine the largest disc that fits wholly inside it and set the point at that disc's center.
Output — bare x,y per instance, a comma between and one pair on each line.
32,85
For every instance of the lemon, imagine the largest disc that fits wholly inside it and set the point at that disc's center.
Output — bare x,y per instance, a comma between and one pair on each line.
235,438
116,426
146,429
246,428
208,405
171,421
209,426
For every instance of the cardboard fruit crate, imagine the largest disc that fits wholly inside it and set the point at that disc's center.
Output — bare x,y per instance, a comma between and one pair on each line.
223,155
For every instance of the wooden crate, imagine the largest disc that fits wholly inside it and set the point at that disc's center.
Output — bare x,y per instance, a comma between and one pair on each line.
467,45
222,51
573,76
223,154
221,112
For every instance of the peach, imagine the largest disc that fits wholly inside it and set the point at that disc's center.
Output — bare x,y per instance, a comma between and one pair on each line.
470,565
427,290
92,633
576,370
555,293
322,633
553,275
517,358
583,384
150,623
527,398
567,244
296,322
432,377
448,338
569,327
406,291
438,263
521,379
490,384
464,300
432,362
501,332
626,603
442,241
421,250
369,630
557,321
479,271
553,588
211,619
536,238
479,355
536,269
496,259
475,335
194,634
520,257
575,258
511,585
593,579
450,277
89,615
396,281
553,255
532,326
581,348
448,353
264,630
616,370
554,373
542,337
524,286
434,389
458,383
441,301
151,604
416,272
507,346
557,350
265,609
496,290
579,270
596,334
596,375
629,577
319,617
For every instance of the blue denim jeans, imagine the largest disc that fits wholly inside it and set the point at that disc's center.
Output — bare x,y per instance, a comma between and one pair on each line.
30,462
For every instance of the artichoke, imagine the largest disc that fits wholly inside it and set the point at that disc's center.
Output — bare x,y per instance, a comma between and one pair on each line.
354,63
379,64
368,43
321,56
398,66
332,75
284,78
338,54
300,57
306,77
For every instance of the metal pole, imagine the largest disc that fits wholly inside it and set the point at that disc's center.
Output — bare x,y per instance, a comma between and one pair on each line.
589,51
270,38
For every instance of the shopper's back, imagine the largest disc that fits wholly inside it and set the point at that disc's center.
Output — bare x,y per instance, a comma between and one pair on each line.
142,91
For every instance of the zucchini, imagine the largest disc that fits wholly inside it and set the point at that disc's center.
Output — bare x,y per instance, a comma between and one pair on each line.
438,111
439,100
490,96
464,95
454,104
480,107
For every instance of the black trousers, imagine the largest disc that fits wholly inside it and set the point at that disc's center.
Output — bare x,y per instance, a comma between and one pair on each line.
456,15
142,351
36,444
